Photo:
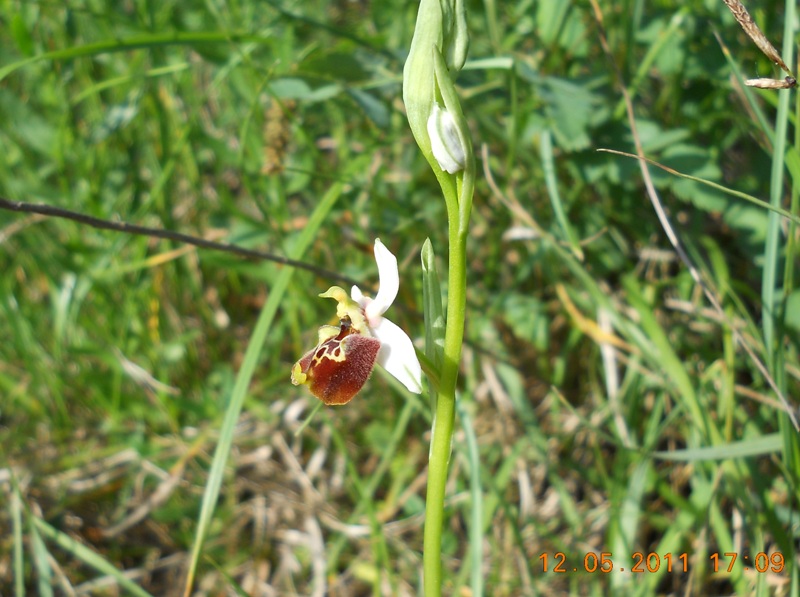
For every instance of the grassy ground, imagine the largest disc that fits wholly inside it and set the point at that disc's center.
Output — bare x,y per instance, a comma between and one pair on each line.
607,409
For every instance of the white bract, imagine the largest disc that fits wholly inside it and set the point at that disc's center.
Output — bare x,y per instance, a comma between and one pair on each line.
446,145
397,353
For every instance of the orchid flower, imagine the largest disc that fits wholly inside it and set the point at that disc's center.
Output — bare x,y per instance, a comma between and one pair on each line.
339,366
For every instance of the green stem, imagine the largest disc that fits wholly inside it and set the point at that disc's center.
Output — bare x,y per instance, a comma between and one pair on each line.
445,410
427,79
458,199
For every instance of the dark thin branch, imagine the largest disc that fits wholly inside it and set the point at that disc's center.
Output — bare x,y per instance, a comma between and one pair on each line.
57,212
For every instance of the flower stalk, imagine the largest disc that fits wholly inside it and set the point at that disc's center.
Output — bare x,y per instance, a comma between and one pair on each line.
438,51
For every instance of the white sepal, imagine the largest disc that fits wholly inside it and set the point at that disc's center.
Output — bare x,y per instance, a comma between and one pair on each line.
397,354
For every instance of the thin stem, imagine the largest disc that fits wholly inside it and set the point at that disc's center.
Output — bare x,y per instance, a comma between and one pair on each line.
445,407
458,199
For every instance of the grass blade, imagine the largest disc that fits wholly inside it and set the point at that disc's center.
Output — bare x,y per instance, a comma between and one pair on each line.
40,560
476,501
767,444
239,392
15,507
135,42
88,557
546,153
776,209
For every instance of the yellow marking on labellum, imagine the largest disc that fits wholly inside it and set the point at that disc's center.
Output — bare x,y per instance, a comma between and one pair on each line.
331,348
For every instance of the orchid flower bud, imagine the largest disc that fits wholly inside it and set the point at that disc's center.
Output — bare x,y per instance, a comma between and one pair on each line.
446,144
438,51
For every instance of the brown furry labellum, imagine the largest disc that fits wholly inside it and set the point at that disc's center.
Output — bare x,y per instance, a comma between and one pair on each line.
339,366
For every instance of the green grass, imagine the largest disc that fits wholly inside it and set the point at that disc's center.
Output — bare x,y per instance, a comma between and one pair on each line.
604,406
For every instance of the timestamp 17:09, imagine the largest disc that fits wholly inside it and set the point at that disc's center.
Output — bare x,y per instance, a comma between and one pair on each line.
653,562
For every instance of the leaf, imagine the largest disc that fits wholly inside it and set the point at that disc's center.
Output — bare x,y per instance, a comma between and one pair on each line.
300,89
550,19
374,108
27,126
572,110
671,44
290,88
792,312
21,35
44,574
548,165
750,219
695,161
434,315
525,316
767,444
88,556
654,138
342,66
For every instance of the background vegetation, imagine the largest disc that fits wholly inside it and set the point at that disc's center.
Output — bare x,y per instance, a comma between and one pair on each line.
605,407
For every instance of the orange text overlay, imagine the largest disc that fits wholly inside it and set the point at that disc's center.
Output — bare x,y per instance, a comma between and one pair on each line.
652,562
